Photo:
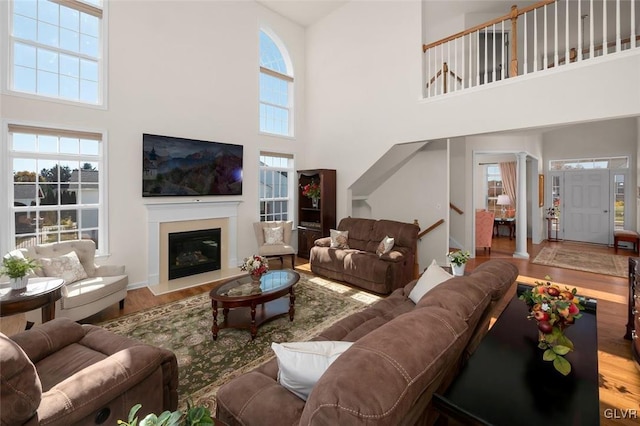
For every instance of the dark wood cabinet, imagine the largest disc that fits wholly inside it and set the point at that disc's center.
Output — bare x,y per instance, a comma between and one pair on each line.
315,221
633,323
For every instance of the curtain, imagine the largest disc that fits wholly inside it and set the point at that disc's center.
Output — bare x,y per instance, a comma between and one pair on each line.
508,174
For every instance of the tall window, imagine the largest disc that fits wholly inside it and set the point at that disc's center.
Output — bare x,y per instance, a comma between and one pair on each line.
56,49
276,87
56,185
276,186
494,188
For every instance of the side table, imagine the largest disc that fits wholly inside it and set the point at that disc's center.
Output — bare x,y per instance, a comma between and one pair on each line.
552,226
41,292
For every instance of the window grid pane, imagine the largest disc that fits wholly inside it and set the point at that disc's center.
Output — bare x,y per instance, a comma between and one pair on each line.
54,199
275,174
60,35
275,92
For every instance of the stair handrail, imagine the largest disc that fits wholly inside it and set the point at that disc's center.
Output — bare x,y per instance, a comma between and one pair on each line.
431,228
456,209
444,71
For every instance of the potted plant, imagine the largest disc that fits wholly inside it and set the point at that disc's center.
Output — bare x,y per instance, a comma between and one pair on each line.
458,259
194,416
16,268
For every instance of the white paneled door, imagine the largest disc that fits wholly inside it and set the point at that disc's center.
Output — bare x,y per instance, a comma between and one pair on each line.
586,206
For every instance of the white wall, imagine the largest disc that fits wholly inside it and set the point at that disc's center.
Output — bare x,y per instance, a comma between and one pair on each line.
178,68
365,62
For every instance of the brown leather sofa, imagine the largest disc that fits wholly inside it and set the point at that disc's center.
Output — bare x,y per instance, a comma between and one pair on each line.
63,373
403,353
359,265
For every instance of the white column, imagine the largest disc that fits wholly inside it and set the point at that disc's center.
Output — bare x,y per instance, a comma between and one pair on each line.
521,209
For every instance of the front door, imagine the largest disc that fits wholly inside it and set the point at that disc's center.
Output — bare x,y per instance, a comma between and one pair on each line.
586,206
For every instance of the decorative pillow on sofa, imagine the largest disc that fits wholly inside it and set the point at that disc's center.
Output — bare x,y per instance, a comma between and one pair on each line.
385,246
433,276
301,364
339,239
274,235
67,267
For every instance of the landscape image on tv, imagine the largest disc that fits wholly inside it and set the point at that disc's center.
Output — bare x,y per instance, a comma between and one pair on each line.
174,166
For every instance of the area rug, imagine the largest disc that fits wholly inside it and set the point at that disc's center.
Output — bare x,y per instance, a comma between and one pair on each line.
599,263
184,327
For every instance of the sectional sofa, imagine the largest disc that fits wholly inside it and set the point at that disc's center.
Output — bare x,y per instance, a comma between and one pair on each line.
403,352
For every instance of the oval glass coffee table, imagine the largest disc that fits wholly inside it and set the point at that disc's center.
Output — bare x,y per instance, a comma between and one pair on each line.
245,305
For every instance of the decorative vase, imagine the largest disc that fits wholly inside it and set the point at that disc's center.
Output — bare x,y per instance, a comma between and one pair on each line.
19,283
314,202
458,271
255,279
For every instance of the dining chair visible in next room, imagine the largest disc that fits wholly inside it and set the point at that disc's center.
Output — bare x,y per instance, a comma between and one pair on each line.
484,229
274,240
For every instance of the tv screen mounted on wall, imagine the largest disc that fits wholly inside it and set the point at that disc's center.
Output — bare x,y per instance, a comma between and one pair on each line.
173,166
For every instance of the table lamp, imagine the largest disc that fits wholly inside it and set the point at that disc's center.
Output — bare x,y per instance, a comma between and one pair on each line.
503,200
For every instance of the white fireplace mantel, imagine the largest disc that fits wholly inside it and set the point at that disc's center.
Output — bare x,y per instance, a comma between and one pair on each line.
158,213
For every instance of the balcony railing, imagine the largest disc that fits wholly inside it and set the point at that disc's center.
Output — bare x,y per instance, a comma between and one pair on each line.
548,34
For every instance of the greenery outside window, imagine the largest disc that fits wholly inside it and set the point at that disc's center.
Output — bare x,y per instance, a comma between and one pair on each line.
276,88
56,49
494,188
56,186
277,172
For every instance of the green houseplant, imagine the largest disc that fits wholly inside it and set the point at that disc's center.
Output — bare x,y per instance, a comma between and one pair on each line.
16,268
194,416
458,259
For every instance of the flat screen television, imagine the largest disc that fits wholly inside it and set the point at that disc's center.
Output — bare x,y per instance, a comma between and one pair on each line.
174,166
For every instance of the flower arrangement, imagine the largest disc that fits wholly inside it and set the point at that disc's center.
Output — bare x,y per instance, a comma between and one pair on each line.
553,211
16,267
554,310
458,257
255,265
311,190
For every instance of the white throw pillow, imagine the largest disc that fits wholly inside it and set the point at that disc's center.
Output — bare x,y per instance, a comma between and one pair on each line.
339,239
67,267
385,246
429,279
301,364
274,235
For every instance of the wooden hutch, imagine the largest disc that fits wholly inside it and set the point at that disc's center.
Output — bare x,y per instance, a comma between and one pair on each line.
315,222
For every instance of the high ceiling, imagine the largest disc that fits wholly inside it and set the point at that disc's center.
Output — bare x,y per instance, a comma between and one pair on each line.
303,12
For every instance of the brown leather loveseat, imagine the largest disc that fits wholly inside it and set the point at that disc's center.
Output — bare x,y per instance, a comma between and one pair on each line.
63,373
359,264
404,352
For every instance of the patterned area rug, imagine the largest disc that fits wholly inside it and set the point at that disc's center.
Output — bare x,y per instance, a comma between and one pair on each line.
184,327
600,263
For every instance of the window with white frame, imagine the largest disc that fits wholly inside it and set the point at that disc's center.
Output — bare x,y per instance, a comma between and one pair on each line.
276,88
494,188
56,186
56,49
277,172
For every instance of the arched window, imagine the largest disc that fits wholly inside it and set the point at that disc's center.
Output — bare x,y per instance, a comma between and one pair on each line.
276,88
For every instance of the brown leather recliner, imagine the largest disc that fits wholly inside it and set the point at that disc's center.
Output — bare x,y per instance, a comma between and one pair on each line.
64,373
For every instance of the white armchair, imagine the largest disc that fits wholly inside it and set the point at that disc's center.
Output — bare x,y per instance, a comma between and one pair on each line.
274,240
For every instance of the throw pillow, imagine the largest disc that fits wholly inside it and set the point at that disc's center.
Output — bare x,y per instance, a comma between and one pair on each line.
339,239
274,235
433,276
67,267
301,364
385,246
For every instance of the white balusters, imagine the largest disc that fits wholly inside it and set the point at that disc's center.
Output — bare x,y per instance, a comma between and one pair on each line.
591,36
526,45
604,29
535,40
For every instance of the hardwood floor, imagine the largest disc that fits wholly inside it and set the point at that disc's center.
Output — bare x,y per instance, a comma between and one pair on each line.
619,376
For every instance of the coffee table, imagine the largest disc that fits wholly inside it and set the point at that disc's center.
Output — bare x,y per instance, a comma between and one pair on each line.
41,292
506,382
247,307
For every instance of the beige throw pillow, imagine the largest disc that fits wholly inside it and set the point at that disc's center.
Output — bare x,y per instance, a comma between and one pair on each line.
67,267
339,239
274,235
433,276
385,246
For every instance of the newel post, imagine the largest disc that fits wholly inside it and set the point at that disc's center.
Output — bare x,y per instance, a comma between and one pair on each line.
513,68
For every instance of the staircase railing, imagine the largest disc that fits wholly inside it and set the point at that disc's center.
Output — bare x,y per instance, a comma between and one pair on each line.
530,40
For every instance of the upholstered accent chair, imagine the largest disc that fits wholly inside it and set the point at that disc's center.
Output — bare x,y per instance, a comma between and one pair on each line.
274,240
484,229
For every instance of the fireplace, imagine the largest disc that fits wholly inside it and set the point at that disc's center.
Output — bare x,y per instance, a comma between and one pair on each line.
194,252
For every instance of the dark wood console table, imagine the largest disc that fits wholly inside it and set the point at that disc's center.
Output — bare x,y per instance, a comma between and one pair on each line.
553,224
506,382
509,222
40,292
633,323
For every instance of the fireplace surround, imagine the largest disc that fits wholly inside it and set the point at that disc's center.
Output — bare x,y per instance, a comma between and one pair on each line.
164,218
193,252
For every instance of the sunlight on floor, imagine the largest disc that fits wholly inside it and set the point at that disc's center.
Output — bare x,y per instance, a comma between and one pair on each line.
359,295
